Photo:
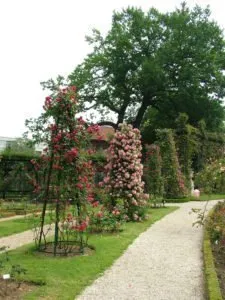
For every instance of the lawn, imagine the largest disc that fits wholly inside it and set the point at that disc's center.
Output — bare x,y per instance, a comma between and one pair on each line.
11,208
18,225
203,197
65,278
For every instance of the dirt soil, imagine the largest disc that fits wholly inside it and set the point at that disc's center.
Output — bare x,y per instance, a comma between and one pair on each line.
72,250
10,290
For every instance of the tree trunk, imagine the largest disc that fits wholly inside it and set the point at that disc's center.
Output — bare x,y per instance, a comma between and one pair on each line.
145,104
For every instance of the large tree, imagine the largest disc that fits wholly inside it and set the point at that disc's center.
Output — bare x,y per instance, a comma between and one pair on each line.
171,62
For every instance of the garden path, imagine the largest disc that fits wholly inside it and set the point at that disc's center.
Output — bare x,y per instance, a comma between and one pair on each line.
14,217
164,263
17,240
20,216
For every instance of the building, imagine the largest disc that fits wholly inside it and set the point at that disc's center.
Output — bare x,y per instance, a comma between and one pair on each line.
5,142
101,140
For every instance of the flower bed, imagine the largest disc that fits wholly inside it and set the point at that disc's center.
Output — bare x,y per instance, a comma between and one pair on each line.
216,229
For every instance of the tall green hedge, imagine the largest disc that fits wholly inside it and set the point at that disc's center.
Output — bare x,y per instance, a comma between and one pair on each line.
153,172
185,145
174,186
14,174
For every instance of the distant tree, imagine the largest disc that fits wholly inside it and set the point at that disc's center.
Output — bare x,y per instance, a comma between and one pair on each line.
171,62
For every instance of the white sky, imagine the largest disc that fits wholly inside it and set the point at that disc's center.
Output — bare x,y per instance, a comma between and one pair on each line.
40,39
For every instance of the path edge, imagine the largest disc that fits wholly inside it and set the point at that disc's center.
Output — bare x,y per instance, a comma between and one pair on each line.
211,280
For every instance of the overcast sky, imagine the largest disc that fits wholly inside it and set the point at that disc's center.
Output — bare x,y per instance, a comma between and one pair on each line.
43,38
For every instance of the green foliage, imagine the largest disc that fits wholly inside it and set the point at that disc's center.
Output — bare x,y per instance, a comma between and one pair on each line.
214,238
103,220
20,148
212,283
212,178
8,267
14,177
171,62
14,163
153,173
185,147
173,178
215,226
15,226
210,146
64,173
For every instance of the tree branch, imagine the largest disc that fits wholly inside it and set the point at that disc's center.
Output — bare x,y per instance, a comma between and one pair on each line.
108,123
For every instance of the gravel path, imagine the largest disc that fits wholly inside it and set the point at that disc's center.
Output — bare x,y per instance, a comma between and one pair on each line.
17,240
20,216
14,217
163,263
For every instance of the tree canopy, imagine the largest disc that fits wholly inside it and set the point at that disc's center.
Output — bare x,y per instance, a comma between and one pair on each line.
172,62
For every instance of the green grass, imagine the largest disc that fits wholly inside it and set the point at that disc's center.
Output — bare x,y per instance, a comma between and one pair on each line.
13,208
17,225
178,200
65,278
212,283
203,197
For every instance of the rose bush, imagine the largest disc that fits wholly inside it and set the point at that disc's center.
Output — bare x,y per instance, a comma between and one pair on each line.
212,178
65,174
124,172
103,220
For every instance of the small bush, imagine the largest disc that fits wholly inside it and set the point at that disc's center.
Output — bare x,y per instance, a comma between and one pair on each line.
216,225
103,220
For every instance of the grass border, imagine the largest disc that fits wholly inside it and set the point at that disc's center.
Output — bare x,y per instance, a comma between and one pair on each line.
202,198
210,275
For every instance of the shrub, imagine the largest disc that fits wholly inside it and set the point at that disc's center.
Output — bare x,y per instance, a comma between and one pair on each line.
185,144
212,178
153,173
65,174
215,225
124,171
103,220
174,186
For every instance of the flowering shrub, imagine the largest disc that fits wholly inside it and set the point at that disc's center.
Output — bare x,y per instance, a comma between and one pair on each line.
103,220
212,178
153,173
64,172
124,171
215,225
174,186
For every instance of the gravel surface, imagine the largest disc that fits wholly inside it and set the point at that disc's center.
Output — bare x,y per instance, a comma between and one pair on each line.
164,263
17,240
18,217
